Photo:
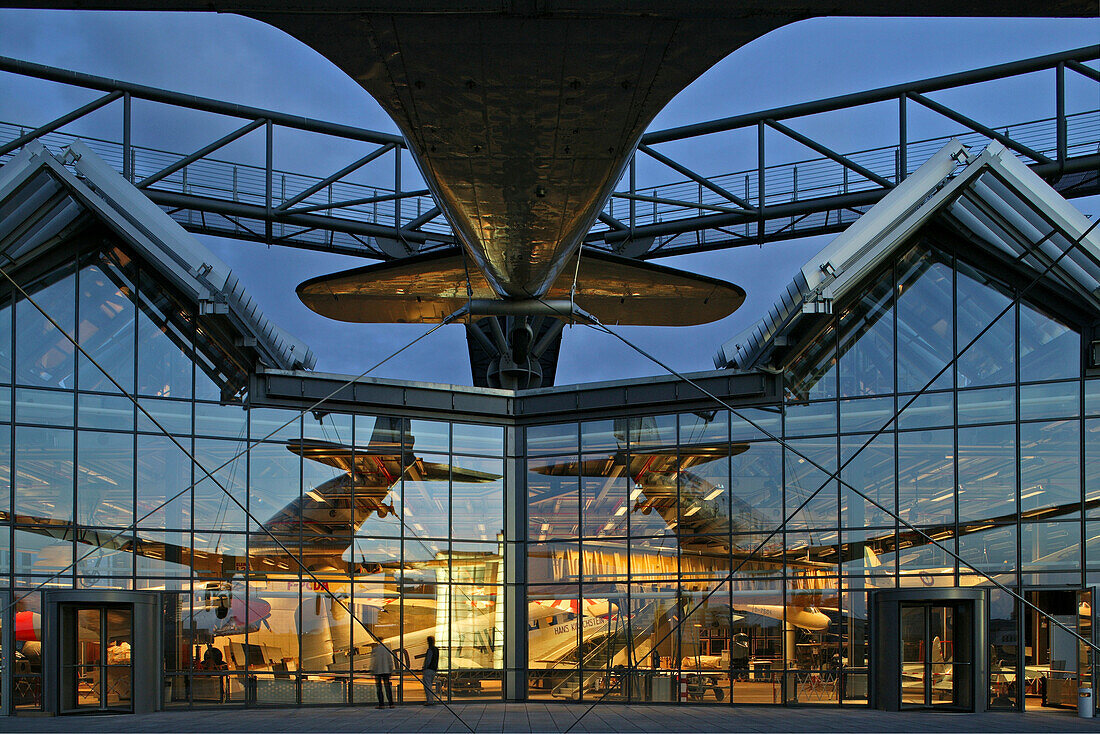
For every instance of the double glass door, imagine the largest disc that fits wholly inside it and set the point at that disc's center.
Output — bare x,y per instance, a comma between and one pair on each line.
936,668
96,666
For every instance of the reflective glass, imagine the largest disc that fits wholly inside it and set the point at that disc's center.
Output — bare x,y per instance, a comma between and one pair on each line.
474,439
1050,546
749,424
813,374
553,496
987,473
810,419
160,416
163,483
424,494
106,313
990,549
1049,350
926,476
554,439
871,471
43,474
925,313
44,407
991,405
604,494
428,436
1050,468
221,475
990,360
164,369
811,497
930,410
105,411
870,414
756,486
105,479
867,342
1050,400
477,499
44,355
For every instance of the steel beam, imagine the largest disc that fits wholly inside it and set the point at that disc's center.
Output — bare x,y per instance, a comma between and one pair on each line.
204,104
685,171
253,211
359,202
59,122
829,153
978,127
1071,58
377,152
200,153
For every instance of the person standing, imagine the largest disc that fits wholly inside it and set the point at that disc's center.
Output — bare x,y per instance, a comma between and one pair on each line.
381,664
431,667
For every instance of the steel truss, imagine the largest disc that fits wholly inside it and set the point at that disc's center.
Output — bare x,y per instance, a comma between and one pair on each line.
695,212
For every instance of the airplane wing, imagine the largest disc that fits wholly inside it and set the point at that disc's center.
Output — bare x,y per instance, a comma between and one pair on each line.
644,465
442,472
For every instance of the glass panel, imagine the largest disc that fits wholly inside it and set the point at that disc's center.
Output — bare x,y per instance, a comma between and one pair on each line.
45,407
991,549
810,419
991,360
44,355
424,493
994,405
556,439
652,432
929,410
987,473
164,369
809,487
604,495
106,314
550,562
230,421
1049,468
163,472
1004,648
925,314
756,486
1050,546
913,655
872,472
867,342
1048,349
926,477
741,429
605,435
477,499
865,415
553,492
428,436
44,474
812,373
473,439
1051,400
105,479
224,462
105,411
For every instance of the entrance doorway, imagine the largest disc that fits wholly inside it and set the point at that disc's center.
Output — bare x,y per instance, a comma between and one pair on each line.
1056,663
925,644
935,657
96,658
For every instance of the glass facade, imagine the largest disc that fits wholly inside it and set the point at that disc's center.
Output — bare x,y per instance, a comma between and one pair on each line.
635,524
673,555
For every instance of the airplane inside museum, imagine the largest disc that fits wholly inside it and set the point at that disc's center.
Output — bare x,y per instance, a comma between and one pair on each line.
885,494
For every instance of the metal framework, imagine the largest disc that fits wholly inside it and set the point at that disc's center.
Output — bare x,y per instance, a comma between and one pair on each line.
693,213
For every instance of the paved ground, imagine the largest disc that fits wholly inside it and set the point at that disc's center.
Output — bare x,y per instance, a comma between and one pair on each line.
537,717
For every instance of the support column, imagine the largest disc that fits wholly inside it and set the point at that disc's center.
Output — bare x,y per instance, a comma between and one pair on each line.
515,566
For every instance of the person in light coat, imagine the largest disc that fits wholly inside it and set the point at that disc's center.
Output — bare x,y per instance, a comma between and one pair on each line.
381,665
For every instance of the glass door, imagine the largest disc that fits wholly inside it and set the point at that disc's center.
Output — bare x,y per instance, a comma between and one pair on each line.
96,670
935,666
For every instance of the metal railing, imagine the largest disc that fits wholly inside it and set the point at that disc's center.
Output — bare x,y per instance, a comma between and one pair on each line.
691,213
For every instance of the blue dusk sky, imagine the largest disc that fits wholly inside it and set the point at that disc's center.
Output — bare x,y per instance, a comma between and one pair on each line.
242,60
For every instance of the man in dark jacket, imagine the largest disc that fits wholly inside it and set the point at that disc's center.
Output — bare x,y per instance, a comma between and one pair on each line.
431,666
